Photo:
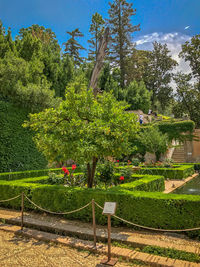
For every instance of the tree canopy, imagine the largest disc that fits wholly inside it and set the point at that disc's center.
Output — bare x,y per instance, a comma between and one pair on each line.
84,128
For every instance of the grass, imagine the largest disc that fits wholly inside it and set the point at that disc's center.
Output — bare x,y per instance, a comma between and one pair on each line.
164,252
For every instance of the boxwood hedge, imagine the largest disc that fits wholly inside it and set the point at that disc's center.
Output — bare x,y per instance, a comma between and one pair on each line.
178,172
153,209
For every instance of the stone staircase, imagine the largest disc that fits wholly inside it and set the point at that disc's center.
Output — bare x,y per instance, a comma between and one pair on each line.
179,154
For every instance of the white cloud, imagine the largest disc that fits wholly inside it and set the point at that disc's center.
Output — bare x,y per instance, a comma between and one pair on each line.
173,41
187,27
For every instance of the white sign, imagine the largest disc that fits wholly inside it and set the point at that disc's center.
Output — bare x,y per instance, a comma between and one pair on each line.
109,208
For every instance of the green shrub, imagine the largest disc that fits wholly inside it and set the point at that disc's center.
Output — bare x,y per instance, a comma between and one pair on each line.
17,149
179,172
105,173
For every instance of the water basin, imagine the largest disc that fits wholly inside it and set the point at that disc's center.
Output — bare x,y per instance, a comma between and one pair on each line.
190,188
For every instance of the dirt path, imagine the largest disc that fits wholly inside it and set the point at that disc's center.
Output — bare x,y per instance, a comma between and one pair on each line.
18,251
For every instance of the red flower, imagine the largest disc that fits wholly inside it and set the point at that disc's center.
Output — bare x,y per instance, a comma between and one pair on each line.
117,160
65,170
121,178
73,166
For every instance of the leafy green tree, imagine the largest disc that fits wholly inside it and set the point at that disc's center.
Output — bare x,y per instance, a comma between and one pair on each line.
191,53
12,70
96,30
187,98
85,129
158,75
120,14
136,64
23,83
110,81
37,43
154,141
72,46
6,42
137,96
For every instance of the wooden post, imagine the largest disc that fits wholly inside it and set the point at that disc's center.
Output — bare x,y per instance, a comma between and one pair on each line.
109,237
109,209
22,212
94,223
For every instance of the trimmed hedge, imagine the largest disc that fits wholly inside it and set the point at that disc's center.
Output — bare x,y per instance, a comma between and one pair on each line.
153,209
196,165
9,176
17,149
180,172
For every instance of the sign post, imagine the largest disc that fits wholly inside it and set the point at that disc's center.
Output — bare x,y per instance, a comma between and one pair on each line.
109,209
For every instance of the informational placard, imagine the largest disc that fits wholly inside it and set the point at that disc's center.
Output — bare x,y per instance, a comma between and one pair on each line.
109,208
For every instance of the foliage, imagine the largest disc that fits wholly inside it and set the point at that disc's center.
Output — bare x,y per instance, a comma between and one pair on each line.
72,46
120,14
178,130
158,74
177,172
136,63
191,53
126,172
154,141
187,98
17,149
96,30
105,173
135,161
172,253
55,178
153,209
84,129
137,96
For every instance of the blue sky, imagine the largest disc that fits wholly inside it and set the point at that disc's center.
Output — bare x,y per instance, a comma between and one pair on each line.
161,20
154,15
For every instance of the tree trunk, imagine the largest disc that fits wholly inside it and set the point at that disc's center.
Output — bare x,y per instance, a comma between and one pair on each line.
99,62
91,172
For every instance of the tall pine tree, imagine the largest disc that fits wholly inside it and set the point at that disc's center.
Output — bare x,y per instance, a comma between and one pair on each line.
96,30
121,28
72,46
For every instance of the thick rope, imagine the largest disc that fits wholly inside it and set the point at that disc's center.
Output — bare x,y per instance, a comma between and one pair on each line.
58,213
150,228
9,199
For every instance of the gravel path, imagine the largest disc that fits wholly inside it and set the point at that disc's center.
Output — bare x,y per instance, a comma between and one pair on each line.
18,251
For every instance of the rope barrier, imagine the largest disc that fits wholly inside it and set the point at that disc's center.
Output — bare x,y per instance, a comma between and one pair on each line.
9,199
150,228
115,216
58,213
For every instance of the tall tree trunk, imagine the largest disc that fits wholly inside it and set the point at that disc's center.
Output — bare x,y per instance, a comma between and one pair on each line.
99,62
91,172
